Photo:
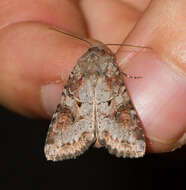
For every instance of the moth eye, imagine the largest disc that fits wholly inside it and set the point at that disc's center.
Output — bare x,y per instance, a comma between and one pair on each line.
79,104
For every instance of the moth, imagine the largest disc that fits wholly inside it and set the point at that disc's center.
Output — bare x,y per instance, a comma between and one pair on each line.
95,109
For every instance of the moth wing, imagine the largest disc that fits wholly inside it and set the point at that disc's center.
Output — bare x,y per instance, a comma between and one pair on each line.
72,128
119,128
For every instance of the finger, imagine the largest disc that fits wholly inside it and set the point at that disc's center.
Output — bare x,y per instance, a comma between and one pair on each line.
54,12
35,61
32,56
160,95
111,21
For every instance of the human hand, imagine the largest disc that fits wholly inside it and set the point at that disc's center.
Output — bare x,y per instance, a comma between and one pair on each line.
36,61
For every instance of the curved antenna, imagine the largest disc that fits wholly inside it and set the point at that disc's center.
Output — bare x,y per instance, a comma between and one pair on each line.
129,45
72,35
89,43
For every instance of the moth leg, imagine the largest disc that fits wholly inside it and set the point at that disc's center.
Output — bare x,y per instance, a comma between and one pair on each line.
130,76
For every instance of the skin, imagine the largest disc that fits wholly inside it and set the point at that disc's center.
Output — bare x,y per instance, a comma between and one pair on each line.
36,61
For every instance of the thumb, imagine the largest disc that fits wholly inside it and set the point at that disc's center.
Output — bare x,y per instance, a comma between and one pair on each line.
160,95
35,62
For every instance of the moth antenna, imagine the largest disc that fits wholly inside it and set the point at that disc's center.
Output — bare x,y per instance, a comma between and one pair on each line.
72,35
130,45
89,43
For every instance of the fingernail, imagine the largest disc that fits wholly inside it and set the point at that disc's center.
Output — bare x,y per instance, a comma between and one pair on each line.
158,96
50,97
180,142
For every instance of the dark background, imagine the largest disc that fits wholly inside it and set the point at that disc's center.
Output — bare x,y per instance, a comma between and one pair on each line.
23,164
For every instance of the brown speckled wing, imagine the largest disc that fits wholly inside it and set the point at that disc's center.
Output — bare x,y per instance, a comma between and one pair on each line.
72,129
119,128
95,107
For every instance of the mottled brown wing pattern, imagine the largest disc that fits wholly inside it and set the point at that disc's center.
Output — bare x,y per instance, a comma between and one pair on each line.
71,131
119,128
95,107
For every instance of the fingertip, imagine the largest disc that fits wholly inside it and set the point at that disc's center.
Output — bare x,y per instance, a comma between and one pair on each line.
158,97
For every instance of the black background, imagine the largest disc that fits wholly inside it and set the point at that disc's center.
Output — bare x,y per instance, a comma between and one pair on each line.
23,164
